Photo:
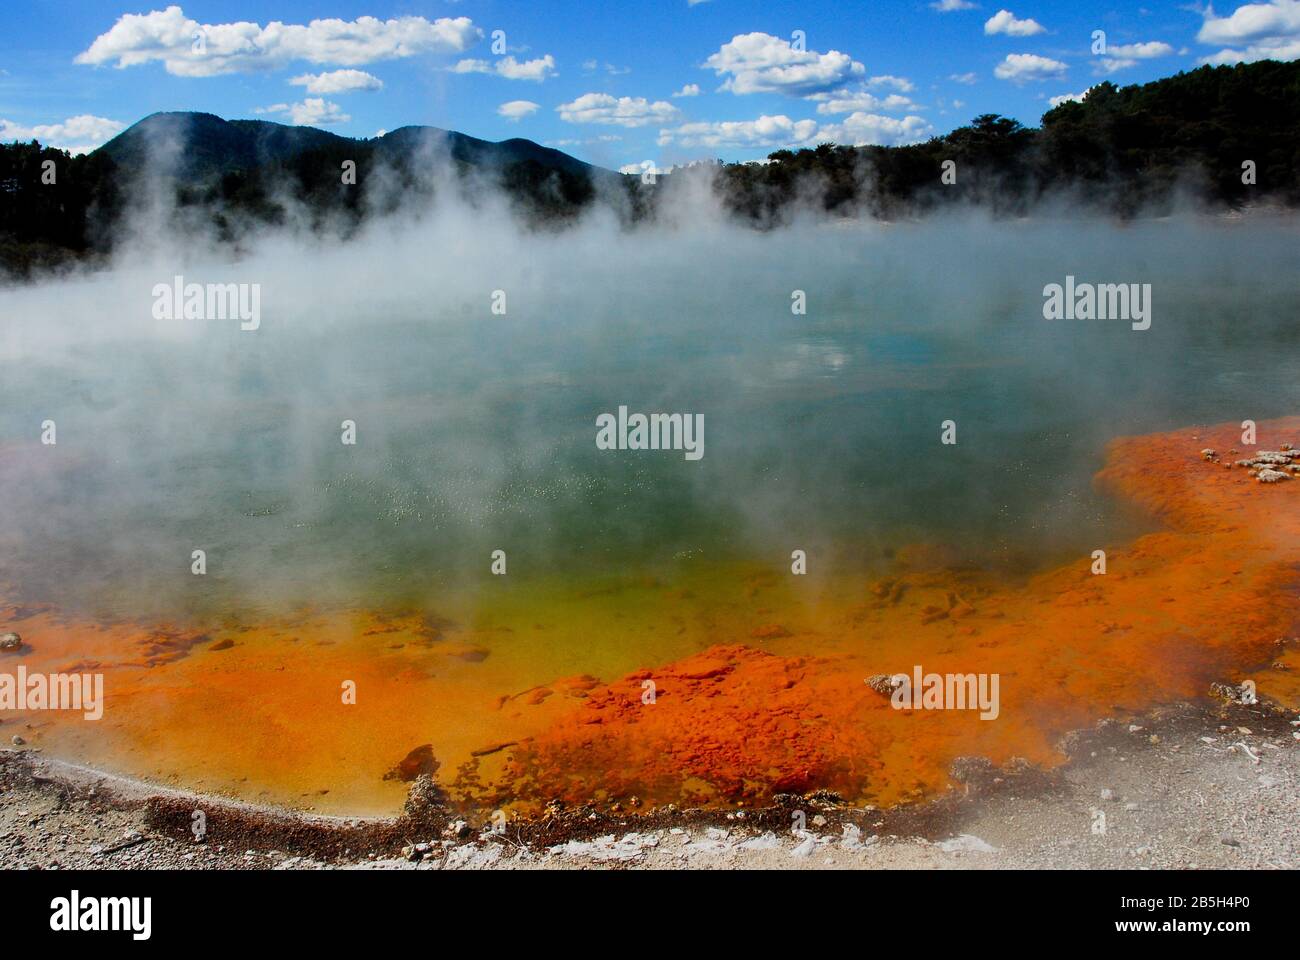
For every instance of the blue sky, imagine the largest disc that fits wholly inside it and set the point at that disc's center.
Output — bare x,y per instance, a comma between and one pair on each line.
617,83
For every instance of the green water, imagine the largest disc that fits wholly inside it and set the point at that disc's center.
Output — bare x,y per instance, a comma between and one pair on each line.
476,432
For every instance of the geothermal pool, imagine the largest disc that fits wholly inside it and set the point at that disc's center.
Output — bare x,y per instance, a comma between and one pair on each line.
349,631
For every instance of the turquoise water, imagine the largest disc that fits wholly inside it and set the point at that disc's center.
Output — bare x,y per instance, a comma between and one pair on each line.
477,432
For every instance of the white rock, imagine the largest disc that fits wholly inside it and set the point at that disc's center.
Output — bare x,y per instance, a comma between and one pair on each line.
805,849
965,843
852,837
767,841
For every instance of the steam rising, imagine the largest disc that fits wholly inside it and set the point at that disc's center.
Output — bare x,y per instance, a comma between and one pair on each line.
477,431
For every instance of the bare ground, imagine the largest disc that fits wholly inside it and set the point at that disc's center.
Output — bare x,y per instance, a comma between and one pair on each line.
1190,786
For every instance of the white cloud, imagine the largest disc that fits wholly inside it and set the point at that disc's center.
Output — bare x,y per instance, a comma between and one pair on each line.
966,78
948,6
311,112
761,63
338,81
1256,31
849,102
858,129
620,111
1140,51
168,36
1004,21
510,68
1252,21
690,90
778,131
901,84
1067,97
862,129
1121,56
516,110
1282,50
1023,67
537,70
79,134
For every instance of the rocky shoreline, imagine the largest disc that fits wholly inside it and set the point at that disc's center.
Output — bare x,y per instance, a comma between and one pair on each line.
1210,784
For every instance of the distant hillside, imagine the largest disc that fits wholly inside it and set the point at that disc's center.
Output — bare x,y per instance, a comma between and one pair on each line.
200,147
229,176
486,153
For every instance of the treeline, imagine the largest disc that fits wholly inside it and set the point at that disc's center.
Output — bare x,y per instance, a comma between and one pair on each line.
54,207
1136,150
1129,151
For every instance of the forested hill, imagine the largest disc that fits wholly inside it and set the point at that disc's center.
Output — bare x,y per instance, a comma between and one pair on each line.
198,148
1197,137
230,175
1122,150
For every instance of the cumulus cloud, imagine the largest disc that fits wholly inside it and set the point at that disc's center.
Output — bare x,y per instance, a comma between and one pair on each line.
79,134
1124,55
858,129
169,36
851,102
690,90
510,68
338,81
901,84
1140,51
949,6
1025,67
1254,31
516,110
617,111
311,112
762,63
869,129
1004,21
1067,97
778,131
966,78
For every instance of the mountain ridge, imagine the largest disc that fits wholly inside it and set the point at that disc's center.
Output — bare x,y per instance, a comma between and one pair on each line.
207,146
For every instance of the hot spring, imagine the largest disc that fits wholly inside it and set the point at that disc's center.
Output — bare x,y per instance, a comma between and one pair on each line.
459,589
